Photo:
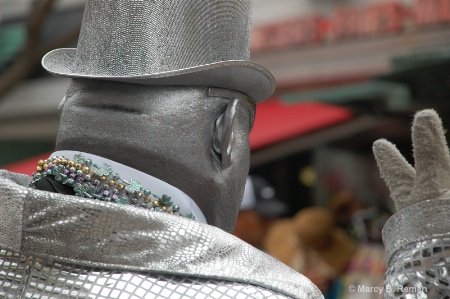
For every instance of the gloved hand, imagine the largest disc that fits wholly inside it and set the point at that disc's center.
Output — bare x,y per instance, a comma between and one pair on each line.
417,237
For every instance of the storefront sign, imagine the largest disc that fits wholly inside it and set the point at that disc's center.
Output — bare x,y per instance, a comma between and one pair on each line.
349,23
428,12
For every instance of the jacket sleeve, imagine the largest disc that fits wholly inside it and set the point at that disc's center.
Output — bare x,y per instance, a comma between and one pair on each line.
417,236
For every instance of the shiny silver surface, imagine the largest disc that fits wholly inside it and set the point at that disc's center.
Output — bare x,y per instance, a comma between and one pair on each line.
417,241
90,248
25,276
165,131
417,236
151,111
416,223
419,271
191,43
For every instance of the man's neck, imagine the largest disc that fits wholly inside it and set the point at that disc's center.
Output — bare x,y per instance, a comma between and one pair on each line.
155,185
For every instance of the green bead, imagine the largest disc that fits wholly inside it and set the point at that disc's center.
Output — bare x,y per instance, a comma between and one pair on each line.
166,200
78,158
134,186
123,200
81,166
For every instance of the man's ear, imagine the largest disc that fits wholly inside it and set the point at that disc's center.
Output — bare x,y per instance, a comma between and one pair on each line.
223,134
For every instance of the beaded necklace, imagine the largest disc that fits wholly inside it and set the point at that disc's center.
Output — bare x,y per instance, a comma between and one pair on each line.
90,180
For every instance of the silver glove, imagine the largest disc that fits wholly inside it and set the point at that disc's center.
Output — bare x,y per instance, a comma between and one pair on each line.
417,236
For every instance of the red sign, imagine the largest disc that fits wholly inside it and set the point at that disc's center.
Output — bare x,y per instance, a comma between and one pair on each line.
428,12
382,18
350,22
344,22
287,34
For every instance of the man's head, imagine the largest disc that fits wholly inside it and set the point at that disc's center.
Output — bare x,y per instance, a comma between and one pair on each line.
194,138
162,87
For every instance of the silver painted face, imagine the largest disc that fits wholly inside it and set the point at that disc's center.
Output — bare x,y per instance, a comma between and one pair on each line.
167,132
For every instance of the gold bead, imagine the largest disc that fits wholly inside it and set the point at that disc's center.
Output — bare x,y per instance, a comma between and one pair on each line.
138,194
44,167
39,169
86,169
164,208
57,161
64,162
103,178
147,199
156,203
41,162
120,186
71,163
111,182
78,166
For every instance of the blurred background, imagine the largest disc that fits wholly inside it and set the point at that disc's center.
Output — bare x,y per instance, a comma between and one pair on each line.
348,72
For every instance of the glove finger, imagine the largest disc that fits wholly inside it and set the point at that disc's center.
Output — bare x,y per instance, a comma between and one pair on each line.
432,160
398,174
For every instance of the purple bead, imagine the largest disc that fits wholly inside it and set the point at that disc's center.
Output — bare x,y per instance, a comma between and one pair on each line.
106,193
73,175
115,197
51,167
80,179
66,171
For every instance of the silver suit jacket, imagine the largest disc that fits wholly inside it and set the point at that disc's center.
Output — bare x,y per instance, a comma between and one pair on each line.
60,246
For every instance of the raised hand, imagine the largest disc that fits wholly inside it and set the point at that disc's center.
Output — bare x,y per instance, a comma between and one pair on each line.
430,178
417,237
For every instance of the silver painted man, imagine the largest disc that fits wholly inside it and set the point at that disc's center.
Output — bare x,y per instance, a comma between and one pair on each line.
150,164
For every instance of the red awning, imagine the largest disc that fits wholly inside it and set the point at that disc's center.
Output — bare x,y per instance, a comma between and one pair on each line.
277,121
27,166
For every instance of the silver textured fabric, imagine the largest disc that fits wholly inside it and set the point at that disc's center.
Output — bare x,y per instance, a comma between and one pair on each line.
11,216
417,241
78,248
166,42
417,236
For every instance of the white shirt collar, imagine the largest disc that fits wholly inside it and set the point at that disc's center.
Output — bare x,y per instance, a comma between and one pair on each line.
249,199
156,185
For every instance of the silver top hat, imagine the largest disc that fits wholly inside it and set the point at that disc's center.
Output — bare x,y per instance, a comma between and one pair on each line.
166,42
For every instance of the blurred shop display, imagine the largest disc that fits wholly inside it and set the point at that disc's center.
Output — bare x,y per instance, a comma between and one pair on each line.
349,22
28,31
366,269
259,209
341,170
348,41
311,244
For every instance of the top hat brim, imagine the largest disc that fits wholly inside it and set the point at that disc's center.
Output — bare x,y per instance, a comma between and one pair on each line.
240,75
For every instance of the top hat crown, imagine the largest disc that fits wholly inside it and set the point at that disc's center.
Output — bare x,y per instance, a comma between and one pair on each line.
166,42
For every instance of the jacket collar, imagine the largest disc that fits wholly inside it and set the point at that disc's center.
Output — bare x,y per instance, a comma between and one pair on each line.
157,186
